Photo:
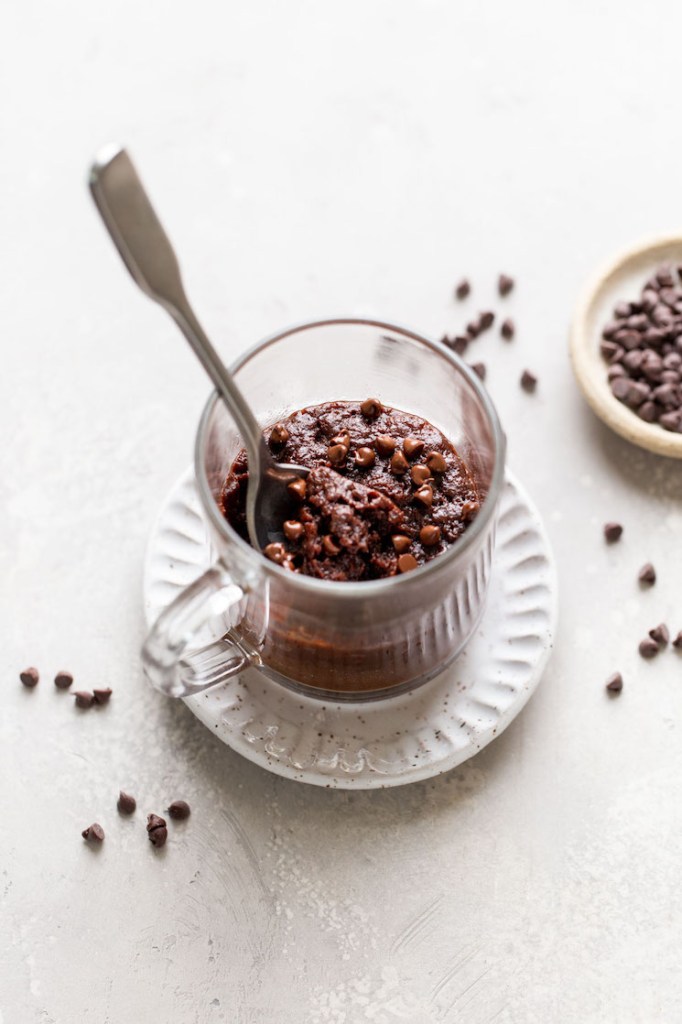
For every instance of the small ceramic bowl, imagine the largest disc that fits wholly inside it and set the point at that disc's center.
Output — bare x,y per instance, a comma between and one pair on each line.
622,279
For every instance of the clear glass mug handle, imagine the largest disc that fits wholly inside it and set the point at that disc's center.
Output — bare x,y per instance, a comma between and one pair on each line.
170,663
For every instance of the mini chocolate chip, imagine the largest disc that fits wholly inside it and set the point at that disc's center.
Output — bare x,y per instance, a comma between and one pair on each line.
276,552
628,339
365,458
648,648
670,377
279,434
614,684
424,496
633,359
647,574
505,284
616,371
384,444
406,563
528,381
297,488
330,546
459,344
620,388
613,532
84,699
660,634
666,395
486,320
610,330
30,677
371,408
616,356
126,803
607,348
420,475
677,642
63,680
621,310
429,535
671,421
664,276
102,696
673,361
179,810
400,542
93,833
436,462
649,299
639,392
473,330
293,530
638,322
508,330
336,454
479,370
413,447
399,464
462,289
649,412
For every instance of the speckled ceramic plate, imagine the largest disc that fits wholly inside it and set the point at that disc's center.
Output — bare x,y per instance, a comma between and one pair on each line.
393,741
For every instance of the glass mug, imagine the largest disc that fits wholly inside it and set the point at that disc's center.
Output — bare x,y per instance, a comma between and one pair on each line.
341,640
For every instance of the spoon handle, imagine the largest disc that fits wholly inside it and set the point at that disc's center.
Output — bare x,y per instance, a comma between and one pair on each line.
144,247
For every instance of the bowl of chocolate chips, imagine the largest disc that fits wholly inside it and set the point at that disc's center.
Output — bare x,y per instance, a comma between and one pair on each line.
626,345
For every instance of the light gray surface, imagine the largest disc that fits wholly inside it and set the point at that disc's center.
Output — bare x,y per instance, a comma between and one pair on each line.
311,159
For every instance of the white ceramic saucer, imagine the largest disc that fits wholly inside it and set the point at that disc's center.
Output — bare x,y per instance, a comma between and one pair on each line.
392,741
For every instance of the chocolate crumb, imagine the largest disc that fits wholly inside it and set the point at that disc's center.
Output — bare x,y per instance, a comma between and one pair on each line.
508,330
612,532
126,803
647,574
179,810
93,833
479,369
505,284
660,634
528,381
63,680
84,699
30,677
648,648
462,289
614,684
102,696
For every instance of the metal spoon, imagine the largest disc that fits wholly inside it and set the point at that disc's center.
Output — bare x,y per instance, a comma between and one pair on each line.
146,251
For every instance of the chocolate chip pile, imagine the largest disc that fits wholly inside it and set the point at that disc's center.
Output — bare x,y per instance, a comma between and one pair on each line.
658,638
386,491
459,343
643,347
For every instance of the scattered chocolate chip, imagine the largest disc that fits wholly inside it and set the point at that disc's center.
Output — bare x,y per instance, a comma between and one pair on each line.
429,535
479,370
84,699
406,563
365,457
660,634
293,530
385,445
297,488
279,434
400,542
413,447
126,803
508,330
399,464
30,677
63,680
102,696
330,546
486,320
459,344
93,833
677,642
336,454
371,408
436,462
648,648
647,574
420,475
613,532
157,833
424,496
276,552
473,329
614,684
462,289
505,284
528,381
179,810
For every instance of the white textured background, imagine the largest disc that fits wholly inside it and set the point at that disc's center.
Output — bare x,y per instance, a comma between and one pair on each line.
312,158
